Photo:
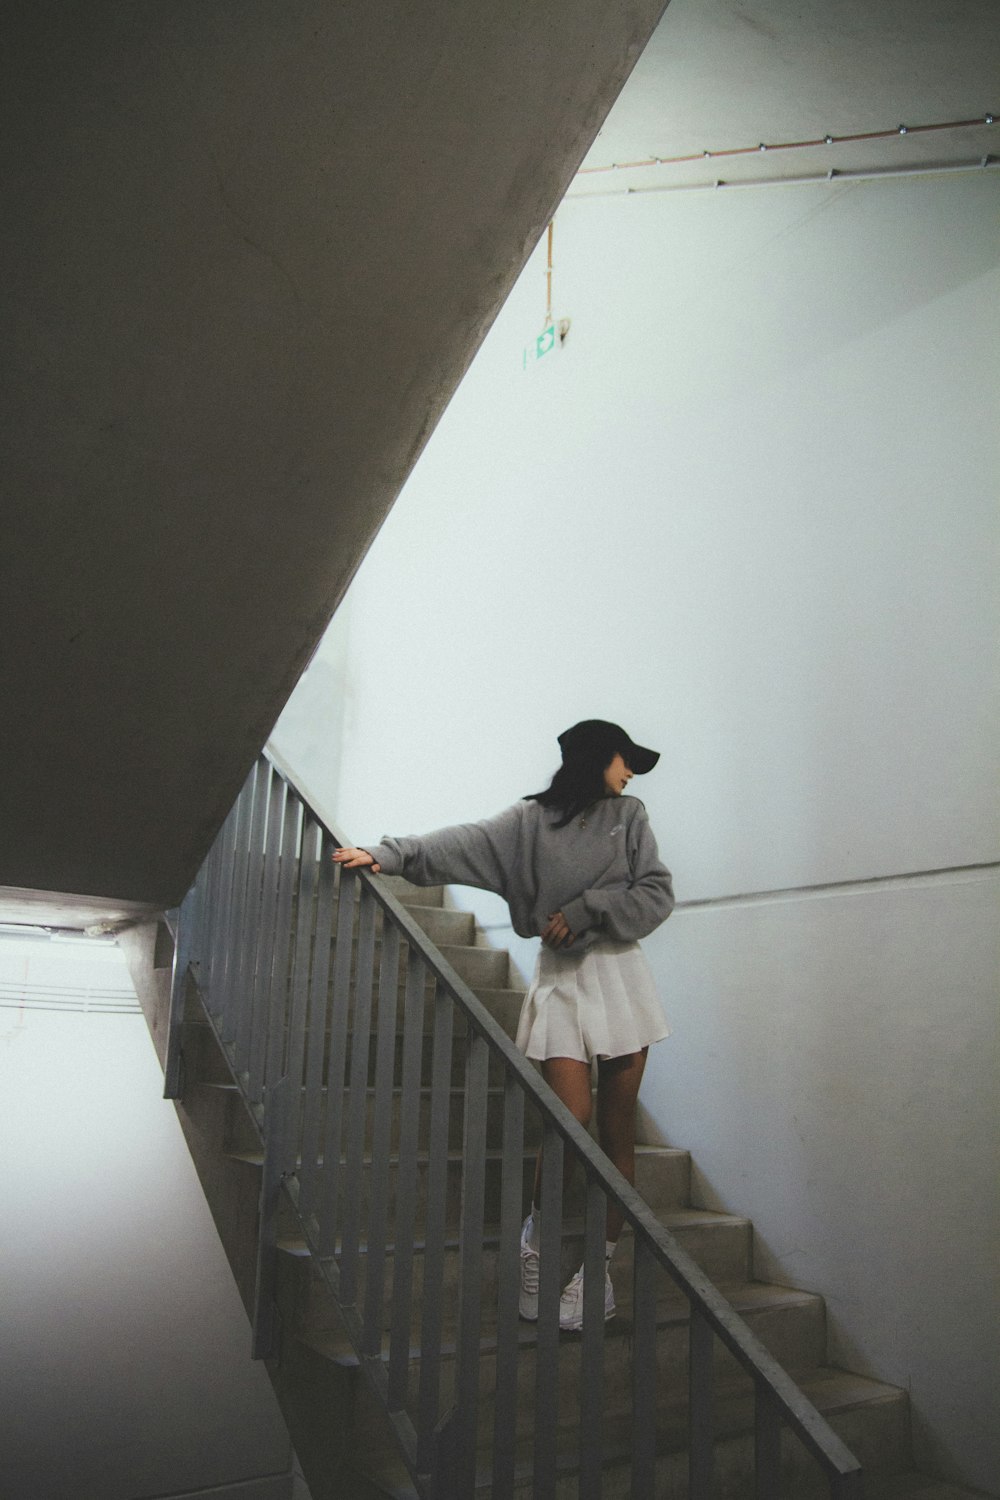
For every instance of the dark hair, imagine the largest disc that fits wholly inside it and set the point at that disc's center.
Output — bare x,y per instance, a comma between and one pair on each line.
575,786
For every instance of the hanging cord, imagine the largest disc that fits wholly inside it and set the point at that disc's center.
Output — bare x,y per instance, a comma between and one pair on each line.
548,280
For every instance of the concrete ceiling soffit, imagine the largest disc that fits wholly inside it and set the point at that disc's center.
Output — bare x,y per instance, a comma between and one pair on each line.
248,252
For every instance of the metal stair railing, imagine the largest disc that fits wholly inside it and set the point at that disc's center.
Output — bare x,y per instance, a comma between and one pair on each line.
256,933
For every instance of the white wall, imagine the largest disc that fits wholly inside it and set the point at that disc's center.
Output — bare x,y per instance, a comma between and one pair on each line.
750,511
124,1347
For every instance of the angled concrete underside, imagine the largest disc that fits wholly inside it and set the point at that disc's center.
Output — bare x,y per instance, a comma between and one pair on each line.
248,252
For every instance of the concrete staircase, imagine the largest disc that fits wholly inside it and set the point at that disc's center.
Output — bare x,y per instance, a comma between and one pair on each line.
339,1431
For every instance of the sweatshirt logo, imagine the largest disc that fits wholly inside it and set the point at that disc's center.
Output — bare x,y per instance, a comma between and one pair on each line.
617,829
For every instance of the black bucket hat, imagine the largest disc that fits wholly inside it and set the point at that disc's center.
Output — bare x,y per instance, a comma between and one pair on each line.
597,737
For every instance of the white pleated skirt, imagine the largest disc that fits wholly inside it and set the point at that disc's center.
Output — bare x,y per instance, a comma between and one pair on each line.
600,1003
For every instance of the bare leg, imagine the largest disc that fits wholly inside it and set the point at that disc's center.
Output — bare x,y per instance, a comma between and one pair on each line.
569,1079
618,1080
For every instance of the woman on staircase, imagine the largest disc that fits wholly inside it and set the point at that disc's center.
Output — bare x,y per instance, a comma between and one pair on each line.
578,866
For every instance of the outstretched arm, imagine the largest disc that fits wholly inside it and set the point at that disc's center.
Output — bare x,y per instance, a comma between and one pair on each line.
477,854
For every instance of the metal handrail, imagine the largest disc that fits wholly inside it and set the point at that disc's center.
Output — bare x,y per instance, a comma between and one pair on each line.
439,1452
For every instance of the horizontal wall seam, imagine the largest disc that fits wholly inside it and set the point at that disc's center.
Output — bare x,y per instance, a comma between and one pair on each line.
951,874
76,1007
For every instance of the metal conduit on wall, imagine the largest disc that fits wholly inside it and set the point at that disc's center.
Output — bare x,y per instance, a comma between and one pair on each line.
834,175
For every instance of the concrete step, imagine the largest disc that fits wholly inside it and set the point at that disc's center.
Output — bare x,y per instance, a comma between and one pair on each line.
790,1324
663,1174
662,1177
503,1003
505,1010
408,894
453,933
317,1309
241,1134
719,1243
442,924
913,1486
453,1190
413,895
480,967
872,1418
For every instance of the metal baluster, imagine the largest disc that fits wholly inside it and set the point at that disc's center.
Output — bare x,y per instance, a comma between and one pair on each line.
592,1354
265,1330
406,1180
278,989
644,1373
318,1014
547,1349
444,1485
217,945
234,941
305,922
172,1071
198,923
508,1326
357,1099
339,1010
300,971
244,976
378,1218
701,1408
434,1234
265,939
210,912
227,848
237,833
471,1259
767,1444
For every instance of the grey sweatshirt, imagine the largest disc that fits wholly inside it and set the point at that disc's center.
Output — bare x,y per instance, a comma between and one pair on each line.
602,871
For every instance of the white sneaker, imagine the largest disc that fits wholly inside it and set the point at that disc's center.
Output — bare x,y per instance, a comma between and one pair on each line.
571,1302
528,1302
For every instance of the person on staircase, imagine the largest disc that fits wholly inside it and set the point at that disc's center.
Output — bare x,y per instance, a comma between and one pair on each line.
578,866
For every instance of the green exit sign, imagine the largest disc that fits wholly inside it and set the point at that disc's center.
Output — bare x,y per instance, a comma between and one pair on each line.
544,344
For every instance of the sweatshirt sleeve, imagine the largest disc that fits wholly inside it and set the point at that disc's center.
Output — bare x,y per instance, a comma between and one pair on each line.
476,854
632,910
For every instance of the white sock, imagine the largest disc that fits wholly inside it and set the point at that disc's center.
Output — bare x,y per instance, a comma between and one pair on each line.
533,1235
610,1246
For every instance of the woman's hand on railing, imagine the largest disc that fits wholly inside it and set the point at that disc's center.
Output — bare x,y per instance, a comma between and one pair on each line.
355,859
556,933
